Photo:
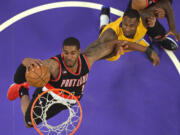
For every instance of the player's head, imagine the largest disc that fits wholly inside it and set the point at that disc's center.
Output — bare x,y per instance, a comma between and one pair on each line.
71,50
130,22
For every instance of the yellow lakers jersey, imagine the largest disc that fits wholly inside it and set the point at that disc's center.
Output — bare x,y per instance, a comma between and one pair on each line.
138,38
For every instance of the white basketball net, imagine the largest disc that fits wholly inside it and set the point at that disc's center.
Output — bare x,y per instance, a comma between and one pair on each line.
64,128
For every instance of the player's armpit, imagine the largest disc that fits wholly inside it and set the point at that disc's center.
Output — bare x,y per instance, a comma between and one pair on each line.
53,66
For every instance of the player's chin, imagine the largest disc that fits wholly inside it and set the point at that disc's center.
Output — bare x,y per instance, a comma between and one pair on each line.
70,65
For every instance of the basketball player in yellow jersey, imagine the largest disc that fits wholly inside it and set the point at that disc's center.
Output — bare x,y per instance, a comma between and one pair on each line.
130,29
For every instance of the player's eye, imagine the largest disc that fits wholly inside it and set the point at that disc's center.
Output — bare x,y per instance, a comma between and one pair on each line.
73,53
66,53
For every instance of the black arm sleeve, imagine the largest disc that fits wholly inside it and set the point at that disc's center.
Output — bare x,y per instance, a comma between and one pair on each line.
19,76
156,32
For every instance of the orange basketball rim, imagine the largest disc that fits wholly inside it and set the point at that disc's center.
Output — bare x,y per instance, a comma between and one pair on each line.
65,95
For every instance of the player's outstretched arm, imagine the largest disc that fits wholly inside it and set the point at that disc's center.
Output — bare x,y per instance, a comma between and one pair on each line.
106,36
99,50
99,47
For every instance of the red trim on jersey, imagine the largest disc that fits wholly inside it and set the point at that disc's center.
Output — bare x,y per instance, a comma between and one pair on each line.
49,86
89,66
59,75
79,62
147,3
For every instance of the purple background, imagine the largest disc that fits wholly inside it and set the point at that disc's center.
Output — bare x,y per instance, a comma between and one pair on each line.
126,97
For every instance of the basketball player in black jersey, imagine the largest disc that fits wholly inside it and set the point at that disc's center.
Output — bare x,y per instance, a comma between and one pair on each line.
68,70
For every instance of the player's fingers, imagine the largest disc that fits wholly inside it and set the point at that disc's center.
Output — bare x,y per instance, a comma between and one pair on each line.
31,67
33,64
118,42
177,37
167,34
155,62
157,9
28,68
126,47
119,50
38,63
158,61
123,42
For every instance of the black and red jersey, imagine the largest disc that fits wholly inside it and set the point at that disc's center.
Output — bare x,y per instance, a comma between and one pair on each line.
68,80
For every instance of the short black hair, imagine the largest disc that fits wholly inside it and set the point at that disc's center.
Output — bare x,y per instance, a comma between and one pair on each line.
71,41
132,13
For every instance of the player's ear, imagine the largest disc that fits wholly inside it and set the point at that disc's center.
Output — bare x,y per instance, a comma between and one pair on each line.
62,54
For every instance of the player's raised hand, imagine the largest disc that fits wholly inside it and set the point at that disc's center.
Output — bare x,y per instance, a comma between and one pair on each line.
160,13
29,63
121,45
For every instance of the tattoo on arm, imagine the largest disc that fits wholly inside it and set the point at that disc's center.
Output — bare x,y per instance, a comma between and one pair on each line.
53,67
101,47
108,35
